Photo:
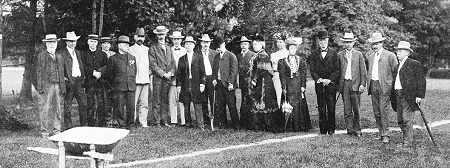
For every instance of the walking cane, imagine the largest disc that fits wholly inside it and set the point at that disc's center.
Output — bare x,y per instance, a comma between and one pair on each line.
211,113
428,127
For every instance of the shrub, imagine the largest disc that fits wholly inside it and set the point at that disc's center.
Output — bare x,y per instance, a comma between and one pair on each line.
440,73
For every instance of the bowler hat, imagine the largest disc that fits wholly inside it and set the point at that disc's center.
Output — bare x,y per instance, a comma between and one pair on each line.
71,36
189,39
205,37
219,40
404,45
140,32
348,37
322,34
376,37
123,39
176,35
161,30
244,39
50,37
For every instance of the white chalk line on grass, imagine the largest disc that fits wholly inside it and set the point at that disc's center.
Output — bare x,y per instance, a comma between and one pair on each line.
264,142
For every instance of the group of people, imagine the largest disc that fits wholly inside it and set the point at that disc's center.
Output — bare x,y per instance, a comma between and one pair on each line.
115,89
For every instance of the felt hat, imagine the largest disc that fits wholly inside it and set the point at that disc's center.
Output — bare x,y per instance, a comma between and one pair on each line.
123,39
50,37
205,37
376,37
348,37
161,30
189,39
404,45
71,36
244,39
176,35
140,32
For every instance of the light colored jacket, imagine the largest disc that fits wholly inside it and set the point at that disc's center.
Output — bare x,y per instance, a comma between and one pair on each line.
386,70
142,63
358,70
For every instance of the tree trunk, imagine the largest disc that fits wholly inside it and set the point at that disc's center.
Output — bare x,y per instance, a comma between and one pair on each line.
94,16
44,16
1,45
100,26
29,76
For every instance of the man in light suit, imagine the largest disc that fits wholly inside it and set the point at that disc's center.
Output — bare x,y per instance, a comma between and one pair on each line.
225,71
352,83
208,59
410,86
245,60
140,52
162,65
379,81
177,51
74,73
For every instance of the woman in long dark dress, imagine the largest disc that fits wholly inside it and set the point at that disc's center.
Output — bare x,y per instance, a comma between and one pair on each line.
265,107
292,71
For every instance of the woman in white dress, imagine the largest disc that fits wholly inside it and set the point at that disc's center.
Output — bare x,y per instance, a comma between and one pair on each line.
274,57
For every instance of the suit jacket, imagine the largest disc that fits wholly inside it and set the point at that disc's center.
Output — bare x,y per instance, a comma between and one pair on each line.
244,63
386,70
325,68
358,70
211,55
198,77
285,71
121,72
142,63
161,62
69,64
228,66
412,80
44,70
96,60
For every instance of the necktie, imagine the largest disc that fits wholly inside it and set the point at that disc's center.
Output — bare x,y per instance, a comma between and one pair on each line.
177,48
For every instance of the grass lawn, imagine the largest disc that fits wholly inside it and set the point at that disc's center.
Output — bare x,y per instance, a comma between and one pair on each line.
321,151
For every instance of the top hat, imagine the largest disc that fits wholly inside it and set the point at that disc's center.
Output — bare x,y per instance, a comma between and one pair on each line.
50,37
404,45
161,30
244,39
176,35
93,37
106,39
140,32
123,39
258,37
322,34
189,39
205,37
376,37
71,36
348,37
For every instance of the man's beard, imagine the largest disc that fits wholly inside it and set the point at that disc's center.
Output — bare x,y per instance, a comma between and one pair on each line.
140,42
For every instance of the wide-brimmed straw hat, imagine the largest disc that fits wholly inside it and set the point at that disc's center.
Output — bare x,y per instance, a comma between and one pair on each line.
176,35
376,37
404,45
348,37
161,30
50,37
93,37
106,39
71,36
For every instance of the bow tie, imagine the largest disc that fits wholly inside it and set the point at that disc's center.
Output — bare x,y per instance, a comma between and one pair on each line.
177,48
326,50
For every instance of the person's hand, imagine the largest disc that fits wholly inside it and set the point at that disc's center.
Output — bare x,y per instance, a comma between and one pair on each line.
326,81
230,87
179,89
214,82
418,100
284,91
303,89
202,87
362,88
167,76
170,74
96,74
320,80
253,83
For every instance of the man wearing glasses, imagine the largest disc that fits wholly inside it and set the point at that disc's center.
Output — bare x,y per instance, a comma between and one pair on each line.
380,80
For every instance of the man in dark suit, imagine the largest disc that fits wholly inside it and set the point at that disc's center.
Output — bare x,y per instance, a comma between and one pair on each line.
380,79
163,66
352,83
121,73
208,59
325,70
410,86
94,62
191,82
50,86
225,71
74,73
245,60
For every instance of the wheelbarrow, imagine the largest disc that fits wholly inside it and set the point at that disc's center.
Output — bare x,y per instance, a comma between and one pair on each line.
90,143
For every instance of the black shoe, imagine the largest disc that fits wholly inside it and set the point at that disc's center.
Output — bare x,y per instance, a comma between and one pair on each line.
331,133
